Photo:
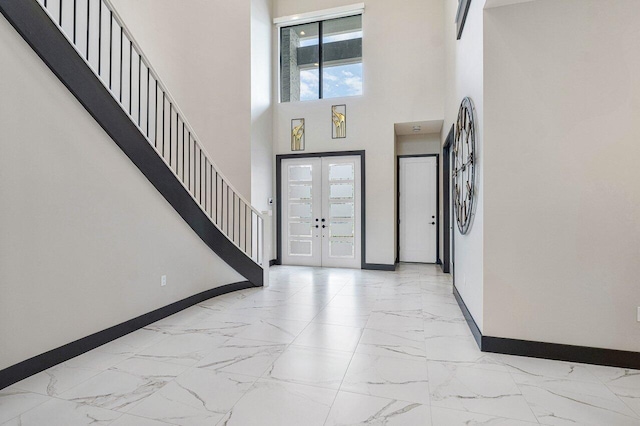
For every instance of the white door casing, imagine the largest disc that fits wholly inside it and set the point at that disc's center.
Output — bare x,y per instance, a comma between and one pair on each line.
418,209
321,212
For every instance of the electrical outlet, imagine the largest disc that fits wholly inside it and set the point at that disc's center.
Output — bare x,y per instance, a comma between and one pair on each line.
163,280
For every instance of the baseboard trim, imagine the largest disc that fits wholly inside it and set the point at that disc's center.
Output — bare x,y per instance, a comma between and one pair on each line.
475,330
554,351
31,366
273,262
378,267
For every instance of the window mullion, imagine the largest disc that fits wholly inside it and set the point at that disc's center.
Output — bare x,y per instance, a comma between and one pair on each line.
321,59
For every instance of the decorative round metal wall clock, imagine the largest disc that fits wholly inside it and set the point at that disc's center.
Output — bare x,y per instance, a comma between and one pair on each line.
464,168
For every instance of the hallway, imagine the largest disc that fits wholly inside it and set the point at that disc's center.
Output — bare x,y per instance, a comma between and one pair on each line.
320,347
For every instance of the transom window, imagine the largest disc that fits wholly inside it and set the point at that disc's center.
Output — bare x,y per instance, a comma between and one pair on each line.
321,60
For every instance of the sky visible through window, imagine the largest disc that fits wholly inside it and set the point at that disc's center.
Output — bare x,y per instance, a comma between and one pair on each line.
339,81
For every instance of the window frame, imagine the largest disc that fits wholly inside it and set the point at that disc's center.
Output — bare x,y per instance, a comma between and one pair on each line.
294,21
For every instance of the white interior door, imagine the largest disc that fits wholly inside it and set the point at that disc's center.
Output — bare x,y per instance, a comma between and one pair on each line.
301,211
418,209
341,226
321,212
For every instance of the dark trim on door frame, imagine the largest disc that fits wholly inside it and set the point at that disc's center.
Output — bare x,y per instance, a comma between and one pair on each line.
44,37
554,351
31,366
437,202
363,203
446,202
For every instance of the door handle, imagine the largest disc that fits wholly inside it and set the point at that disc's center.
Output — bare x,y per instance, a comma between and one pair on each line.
317,226
324,226
323,219
433,223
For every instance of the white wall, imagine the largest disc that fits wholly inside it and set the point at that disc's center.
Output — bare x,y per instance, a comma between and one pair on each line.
201,49
84,236
464,77
262,115
418,144
562,198
402,82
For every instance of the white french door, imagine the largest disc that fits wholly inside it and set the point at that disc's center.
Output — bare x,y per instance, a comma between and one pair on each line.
321,211
418,209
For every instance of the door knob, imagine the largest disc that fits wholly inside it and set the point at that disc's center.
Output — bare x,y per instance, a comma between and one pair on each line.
323,219
433,223
317,226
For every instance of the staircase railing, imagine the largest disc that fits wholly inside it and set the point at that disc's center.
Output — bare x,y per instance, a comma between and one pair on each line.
102,39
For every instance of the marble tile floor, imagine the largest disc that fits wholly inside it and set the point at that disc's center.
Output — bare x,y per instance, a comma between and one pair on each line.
320,347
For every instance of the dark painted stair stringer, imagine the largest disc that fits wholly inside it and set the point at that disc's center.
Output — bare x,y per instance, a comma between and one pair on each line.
37,29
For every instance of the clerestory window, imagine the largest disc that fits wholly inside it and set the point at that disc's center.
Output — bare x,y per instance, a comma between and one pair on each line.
321,60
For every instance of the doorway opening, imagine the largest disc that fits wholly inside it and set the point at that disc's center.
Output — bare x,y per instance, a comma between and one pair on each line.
447,215
320,209
418,208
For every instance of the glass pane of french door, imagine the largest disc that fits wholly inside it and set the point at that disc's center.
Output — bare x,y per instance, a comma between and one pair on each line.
341,211
321,212
301,206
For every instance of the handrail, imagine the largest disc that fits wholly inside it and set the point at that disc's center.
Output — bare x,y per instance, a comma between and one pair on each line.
221,218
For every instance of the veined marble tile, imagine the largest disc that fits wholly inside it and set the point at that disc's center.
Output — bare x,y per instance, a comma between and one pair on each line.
366,292
55,380
310,366
356,304
629,396
401,290
184,349
181,319
273,330
96,360
564,402
452,328
398,304
342,316
477,390
463,351
537,367
613,376
242,356
393,343
311,298
438,294
124,386
329,289
270,403
438,278
14,402
197,397
129,420
438,311
281,310
221,325
448,417
354,409
386,377
328,336
133,342
57,412
396,320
